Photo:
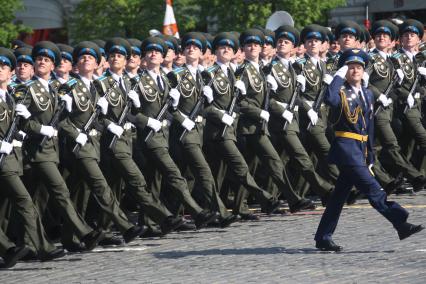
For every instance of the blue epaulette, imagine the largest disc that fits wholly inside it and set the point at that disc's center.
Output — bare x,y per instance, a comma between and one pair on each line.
274,62
301,61
396,55
212,69
178,70
102,77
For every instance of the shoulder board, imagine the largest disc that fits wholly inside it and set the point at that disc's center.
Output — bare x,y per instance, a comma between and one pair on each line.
102,77
396,55
212,69
178,70
301,61
274,62
13,84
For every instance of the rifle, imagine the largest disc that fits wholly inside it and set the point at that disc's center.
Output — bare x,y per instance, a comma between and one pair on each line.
266,71
63,90
89,124
13,129
230,111
292,103
414,86
390,86
199,104
164,109
123,116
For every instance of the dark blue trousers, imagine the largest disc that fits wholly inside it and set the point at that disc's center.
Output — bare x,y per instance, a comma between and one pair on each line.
361,178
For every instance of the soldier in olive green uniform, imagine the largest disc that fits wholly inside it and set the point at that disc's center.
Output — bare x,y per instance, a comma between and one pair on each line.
10,168
408,105
287,141
82,102
155,93
220,145
253,122
382,73
39,107
189,149
116,93
314,71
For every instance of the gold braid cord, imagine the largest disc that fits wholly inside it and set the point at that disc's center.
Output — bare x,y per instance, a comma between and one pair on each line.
351,117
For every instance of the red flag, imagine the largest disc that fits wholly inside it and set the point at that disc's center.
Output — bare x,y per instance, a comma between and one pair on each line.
169,25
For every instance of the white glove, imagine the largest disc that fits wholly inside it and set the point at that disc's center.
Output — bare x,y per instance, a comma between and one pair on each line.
365,78
103,104
68,102
48,131
390,101
22,110
384,100
313,116
6,148
175,95
154,124
342,71
264,115
227,119
327,79
410,101
272,82
208,93
188,124
400,74
23,134
302,81
81,139
135,98
288,115
422,71
240,86
115,129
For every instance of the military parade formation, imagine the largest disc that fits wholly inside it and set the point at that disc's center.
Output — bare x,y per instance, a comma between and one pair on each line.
112,140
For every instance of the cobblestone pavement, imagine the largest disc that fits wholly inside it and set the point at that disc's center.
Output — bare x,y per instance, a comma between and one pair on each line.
276,249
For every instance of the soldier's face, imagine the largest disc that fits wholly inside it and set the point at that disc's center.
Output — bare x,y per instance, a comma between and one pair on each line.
86,63
324,47
224,53
5,73
313,46
284,46
24,71
410,40
192,53
180,59
347,41
64,67
252,50
134,61
354,74
267,50
334,47
382,41
43,65
170,56
117,61
154,58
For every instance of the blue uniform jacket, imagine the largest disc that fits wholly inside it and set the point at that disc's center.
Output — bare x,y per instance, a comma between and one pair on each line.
346,151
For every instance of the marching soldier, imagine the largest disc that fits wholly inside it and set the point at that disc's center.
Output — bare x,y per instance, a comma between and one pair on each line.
382,75
103,66
268,48
155,94
24,68
286,141
189,148
12,186
352,151
314,121
408,104
62,72
118,163
172,51
133,64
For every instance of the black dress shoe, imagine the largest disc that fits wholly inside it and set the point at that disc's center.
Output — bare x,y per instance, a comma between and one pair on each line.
133,233
186,226
110,241
171,223
353,196
328,245
248,217
272,206
92,239
394,185
13,255
419,183
152,233
407,229
203,218
227,221
56,253
302,204
74,247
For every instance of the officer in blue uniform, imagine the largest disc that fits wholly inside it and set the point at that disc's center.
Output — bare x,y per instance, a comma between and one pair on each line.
352,151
